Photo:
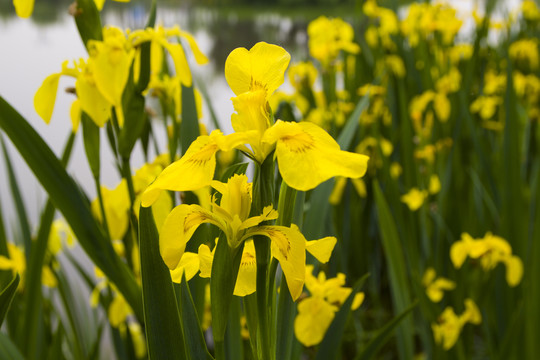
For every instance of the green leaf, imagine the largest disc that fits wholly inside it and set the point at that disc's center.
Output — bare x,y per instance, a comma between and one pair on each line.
88,20
194,338
239,168
135,118
383,335
66,197
144,72
162,320
91,143
6,296
189,127
8,350
346,135
328,349
24,224
222,281
397,270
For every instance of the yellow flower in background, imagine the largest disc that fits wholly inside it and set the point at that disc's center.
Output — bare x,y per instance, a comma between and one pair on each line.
530,10
414,198
525,51
448,327
435,287
116,204
327,37
16,261
158,37
91,100
60,234
491,250
316,312
434,184
232,217
302,75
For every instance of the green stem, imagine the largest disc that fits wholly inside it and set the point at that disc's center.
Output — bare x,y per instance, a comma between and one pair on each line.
102,207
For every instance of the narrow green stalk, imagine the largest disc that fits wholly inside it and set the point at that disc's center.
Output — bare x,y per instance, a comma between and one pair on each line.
102,207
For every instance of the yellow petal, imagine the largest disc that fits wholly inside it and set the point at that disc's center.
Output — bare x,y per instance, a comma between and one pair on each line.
514,270
200,58
193,171
75,115
111,64
189,264
178,229
119,310
414,198
304,148
288,246
99,4
472,313
46,97
180,62
48,278
92,101
206,258
23,8
321,249
262,67
314,317
5,263
358,300
246,282
434,184
196,168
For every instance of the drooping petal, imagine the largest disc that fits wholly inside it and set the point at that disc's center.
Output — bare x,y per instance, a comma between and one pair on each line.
246,282
189,264
321,249
180,62
514,270
200,58
46,97
111,63
75,115
193,171
92,101
178,229
23,8
288,246
304,148
262,67
235,196
313,319
206,257
196,168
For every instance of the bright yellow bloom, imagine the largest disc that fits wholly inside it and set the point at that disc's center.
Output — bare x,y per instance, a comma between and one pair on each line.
112,59
327,37
260,68
158,37
316,312
414,198
302,75
491,250
526,51
116,204
530,10
435,287
434,184
60,232
91,100
16,261
231,216
449,325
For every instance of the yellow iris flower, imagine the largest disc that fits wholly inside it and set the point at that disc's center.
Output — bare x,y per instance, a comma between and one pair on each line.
288,245
315,313
449,325
435,287
300,148
491,250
